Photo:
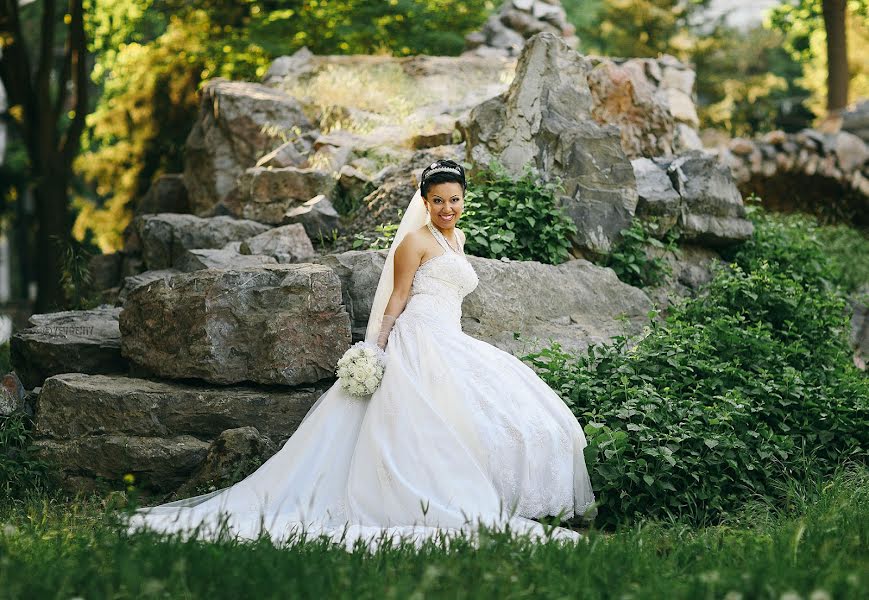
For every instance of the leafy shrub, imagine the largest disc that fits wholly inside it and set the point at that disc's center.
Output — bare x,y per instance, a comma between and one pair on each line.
738,387
382,239
819,255
20,472
630,259
517,218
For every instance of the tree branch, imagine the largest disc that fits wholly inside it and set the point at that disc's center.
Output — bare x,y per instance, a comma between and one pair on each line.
65,70
78,50
42,81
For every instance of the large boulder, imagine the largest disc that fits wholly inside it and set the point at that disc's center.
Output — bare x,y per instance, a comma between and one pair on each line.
266,194
73,405
239,122
72,341
575,303
158,464
225,258
107,426
711,209
164,238
359,272
286,244
545,120
277,324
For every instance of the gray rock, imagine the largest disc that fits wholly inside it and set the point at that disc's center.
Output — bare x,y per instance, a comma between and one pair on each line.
317,216
105,270
165,237
223,258
144,278
73,341
544,120
13,396
74,405
158,464
238,123
575,303
624,96
285,155
286,244
278,324
657,197
851,152
265,195
231,457
353,182
856,120
712,208
359,272
295,65
859,302
167,194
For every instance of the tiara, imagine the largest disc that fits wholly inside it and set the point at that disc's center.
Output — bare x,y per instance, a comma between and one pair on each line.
442,170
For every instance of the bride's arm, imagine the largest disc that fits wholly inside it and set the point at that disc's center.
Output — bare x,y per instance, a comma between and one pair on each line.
407,258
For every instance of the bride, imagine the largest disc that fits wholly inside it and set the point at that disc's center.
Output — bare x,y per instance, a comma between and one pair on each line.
459,432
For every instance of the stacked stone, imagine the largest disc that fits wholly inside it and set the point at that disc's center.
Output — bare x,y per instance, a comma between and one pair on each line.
504,33
793,161
856,120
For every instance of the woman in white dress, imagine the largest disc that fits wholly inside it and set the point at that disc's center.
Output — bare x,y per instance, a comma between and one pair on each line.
458,433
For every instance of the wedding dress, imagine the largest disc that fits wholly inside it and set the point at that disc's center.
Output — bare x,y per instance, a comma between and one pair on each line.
459,433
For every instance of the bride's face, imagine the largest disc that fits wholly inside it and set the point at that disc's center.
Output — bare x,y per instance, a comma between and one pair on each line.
445,202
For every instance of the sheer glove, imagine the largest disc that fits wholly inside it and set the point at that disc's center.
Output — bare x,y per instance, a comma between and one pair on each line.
385,327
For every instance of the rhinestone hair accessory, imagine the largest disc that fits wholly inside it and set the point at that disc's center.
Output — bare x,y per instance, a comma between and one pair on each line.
442,170
435,167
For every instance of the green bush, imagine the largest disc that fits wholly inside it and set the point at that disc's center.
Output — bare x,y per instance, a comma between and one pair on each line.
748,382
630,259
796,244
20,472
517,218
382,239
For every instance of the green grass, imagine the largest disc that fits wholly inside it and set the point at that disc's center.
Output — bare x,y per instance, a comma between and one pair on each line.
815,545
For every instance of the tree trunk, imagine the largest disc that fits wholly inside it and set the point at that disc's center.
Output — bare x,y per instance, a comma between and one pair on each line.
53,236
50,150
837,54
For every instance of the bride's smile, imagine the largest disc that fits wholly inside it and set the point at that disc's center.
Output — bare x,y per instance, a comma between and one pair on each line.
445,202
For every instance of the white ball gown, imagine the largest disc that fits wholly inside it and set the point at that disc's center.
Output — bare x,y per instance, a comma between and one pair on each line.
459,433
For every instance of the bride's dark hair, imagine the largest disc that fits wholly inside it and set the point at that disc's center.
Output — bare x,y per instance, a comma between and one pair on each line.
441,177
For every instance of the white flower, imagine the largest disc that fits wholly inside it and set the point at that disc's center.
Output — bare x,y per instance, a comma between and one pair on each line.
371,383
368,352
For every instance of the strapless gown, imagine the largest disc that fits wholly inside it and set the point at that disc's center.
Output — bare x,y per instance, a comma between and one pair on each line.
459,433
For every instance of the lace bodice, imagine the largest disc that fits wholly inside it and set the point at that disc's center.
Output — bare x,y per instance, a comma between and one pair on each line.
439,286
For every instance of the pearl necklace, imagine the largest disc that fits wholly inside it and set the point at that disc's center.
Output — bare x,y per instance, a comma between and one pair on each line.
436,232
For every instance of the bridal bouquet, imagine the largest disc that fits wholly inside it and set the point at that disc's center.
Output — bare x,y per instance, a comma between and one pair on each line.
361,368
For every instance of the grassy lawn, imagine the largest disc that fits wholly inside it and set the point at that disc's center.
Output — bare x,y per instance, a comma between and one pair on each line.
814,546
